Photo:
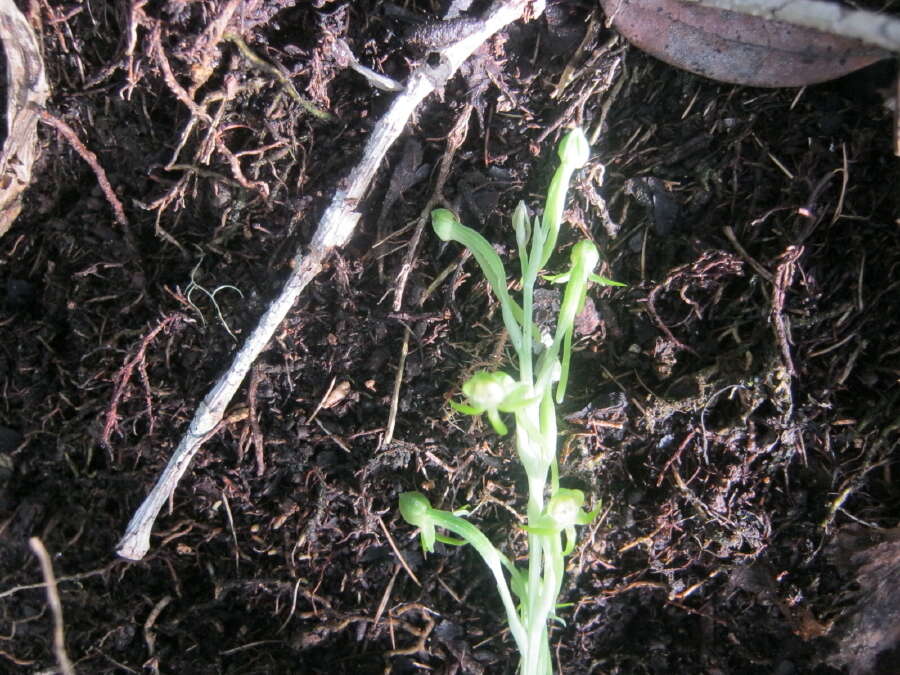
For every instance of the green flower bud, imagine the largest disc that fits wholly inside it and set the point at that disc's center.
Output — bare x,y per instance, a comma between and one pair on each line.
521,226
488,390
564,508
574,149
443,221
414,507
586,253
416,510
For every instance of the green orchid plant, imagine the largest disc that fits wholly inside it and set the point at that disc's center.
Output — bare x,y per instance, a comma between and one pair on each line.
529,595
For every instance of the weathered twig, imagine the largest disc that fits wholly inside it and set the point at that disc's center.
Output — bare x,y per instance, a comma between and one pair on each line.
59,633
334,229
27,91
829,17
782,280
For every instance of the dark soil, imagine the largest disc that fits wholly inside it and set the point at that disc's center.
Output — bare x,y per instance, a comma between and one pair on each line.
735,407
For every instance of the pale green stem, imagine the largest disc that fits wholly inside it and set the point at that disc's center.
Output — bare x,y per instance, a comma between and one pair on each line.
495,562
553,208
541,574
536,660
525,374
529,277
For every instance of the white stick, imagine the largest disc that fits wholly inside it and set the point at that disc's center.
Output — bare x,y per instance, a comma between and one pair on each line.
333,231
830,17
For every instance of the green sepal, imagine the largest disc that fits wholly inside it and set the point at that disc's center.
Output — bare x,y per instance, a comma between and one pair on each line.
521,396
560,278
596,278
558,619
606,281
450,541
498,424
465,409
574,149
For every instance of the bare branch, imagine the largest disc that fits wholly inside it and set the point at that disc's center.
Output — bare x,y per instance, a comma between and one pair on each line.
59,634
26,94
333,231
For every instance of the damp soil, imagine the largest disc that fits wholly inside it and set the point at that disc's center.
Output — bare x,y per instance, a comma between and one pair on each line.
734,408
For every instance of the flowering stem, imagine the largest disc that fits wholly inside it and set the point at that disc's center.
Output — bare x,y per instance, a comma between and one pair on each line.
552,511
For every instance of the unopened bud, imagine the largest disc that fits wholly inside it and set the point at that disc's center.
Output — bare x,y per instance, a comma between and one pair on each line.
521,225
443,221
574,149
586,253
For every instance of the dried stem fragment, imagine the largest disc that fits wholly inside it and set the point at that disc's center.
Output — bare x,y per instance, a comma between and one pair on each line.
334,229
27,92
